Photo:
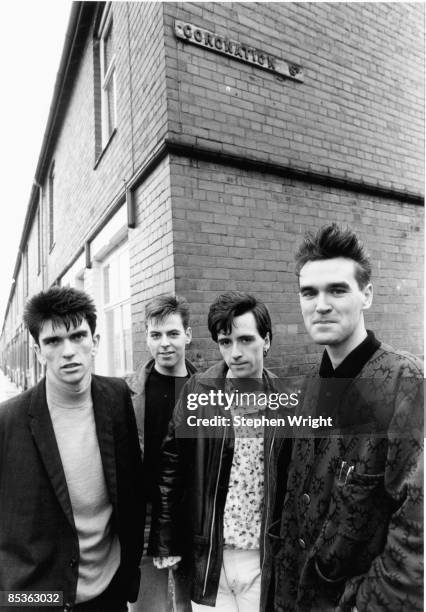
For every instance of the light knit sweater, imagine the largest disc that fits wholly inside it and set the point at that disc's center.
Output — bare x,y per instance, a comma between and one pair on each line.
74,425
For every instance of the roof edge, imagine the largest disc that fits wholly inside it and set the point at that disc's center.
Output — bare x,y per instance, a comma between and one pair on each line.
78,24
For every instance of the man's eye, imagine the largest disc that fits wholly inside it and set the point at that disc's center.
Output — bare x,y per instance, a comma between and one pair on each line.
338,291
246,340
154,336
224,342
78,336
307,294
175,334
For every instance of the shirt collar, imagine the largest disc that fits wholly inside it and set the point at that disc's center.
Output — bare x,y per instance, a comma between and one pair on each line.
353,363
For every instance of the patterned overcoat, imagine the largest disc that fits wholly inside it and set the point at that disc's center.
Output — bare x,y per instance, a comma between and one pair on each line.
350,529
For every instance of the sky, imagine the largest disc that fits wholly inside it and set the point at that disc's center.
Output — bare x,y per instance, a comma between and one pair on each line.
32,35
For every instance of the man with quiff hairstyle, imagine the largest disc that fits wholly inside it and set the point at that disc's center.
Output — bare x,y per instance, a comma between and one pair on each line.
348,534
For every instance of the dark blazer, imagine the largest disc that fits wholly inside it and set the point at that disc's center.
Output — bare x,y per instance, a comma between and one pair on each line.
38,539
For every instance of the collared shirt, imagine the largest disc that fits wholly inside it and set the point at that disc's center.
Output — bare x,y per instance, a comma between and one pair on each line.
353,363
244,501
332,391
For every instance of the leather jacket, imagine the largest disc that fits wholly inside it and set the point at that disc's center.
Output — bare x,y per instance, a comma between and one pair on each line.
193,488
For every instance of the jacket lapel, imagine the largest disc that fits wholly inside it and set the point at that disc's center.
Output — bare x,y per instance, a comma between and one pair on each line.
44,437
104,429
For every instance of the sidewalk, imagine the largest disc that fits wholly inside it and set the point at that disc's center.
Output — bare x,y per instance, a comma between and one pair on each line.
7,388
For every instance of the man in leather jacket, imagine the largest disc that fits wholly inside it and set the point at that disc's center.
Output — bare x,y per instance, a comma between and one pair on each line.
212,477
158,386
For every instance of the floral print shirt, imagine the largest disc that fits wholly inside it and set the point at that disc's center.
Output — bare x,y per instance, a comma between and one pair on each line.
244,502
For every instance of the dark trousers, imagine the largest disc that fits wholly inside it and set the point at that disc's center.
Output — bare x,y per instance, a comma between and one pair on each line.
112,599
162,590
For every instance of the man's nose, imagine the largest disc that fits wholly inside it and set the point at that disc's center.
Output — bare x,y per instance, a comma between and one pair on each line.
164,340
236,350
68,348
322,304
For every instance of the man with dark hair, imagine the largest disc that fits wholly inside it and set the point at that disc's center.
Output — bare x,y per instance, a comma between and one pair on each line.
349,536
232,304
211,480
160,381
71,511
332,242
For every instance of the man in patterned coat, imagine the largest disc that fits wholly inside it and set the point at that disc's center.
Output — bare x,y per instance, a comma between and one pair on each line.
347,534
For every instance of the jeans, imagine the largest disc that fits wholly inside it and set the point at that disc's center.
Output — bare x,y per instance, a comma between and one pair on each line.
239,583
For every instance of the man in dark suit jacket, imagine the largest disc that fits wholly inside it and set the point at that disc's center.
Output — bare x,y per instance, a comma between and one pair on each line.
71,509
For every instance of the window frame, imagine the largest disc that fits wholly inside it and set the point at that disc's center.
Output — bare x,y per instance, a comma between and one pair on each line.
39,237
51,200
107,76
116,304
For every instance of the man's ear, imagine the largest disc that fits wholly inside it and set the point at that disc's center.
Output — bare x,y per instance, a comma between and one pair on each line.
188,333
367,296
41,359
95,347
267,341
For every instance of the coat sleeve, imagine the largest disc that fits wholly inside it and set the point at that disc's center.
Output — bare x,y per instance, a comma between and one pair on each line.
394,579
167,533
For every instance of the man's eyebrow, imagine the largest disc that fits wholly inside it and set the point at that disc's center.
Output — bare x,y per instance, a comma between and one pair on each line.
49,339
304,287
169,331
338,285
81,332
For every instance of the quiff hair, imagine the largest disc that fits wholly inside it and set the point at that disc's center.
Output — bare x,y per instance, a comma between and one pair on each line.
62,306
332,241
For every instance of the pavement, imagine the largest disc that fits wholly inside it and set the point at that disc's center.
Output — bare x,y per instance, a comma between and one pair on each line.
7,388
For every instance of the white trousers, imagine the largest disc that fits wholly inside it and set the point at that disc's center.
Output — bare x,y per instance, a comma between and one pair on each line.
239,584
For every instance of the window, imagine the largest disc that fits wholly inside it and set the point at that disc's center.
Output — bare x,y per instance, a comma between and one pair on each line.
51,206
117,312
107,75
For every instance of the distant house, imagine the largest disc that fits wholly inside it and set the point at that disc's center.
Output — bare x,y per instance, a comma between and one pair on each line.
190,145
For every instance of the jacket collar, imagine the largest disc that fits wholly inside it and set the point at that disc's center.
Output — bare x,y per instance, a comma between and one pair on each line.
102,409
146,369
353,363
217,373
44,437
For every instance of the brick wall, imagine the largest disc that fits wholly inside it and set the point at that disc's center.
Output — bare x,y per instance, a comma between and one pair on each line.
203,228
359,113
151,251
83,192
239,230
